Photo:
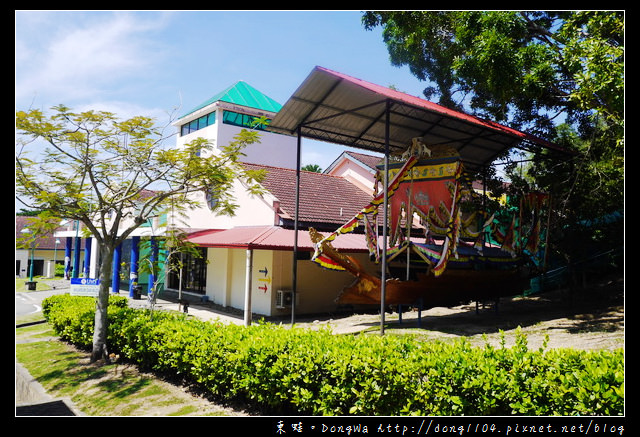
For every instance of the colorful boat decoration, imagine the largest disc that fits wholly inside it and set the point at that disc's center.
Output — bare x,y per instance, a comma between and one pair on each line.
461,256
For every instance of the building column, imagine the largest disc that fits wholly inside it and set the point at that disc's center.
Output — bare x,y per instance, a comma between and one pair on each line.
67,258
87,257
115,275
135,255
95,255
153,258
76,257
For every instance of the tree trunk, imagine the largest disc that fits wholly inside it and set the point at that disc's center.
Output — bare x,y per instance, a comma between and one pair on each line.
101,322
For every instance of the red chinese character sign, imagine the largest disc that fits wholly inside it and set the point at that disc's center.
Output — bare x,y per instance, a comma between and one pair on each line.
432,190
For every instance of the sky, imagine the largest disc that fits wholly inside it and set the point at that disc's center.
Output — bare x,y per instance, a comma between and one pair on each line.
163,63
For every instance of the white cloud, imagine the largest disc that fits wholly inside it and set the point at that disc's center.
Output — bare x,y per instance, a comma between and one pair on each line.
62,57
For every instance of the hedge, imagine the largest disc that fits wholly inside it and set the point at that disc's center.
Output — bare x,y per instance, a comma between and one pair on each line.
301,371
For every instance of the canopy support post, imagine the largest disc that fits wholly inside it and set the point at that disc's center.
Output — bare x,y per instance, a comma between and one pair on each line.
383,286
248,287
294,288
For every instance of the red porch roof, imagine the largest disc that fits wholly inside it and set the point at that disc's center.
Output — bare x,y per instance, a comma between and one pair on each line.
271,238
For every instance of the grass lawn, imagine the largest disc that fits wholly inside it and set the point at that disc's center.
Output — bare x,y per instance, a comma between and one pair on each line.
102,390
21,284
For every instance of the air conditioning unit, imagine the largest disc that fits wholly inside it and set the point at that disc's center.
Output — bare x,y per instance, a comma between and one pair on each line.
283,298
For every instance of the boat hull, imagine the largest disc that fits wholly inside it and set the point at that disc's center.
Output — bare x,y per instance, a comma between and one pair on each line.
452,288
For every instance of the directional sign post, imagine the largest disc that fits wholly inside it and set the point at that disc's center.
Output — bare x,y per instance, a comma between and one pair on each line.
84,287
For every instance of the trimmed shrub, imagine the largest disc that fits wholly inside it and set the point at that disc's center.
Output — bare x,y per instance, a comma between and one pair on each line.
301,371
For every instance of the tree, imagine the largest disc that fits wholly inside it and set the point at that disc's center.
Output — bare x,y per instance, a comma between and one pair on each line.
312,167
113,175
559,75
511,66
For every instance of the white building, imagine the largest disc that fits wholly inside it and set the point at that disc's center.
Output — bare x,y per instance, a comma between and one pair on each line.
261,229
247,259
224,115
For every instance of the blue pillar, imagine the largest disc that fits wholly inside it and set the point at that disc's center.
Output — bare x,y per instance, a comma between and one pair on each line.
135,255
87,257
67,258
153,258
115,276
76,258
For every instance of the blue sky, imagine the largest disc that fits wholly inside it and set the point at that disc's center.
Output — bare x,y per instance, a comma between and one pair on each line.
156,63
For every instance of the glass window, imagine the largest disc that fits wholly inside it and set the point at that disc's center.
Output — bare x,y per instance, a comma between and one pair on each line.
242,120
198,123
194,272
212,199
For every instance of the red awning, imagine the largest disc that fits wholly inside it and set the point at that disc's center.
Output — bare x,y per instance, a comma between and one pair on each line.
337,108
271,238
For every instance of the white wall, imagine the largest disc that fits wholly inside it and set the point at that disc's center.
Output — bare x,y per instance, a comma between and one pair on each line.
262,282
252,211
317,287
226,276
273,149
209,132
219,275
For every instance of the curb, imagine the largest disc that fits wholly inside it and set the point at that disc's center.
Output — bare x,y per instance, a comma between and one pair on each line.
33,400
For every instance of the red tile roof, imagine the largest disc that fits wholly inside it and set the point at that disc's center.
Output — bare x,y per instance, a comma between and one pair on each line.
324,198
46,241
370,161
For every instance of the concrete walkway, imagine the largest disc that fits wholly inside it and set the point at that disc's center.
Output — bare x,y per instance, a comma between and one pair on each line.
202,311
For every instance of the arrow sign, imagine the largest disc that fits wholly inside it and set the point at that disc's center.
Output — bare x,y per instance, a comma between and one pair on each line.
263,288
267,280
265,271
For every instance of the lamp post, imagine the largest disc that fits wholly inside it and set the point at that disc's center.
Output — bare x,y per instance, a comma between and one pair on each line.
31,285
55,256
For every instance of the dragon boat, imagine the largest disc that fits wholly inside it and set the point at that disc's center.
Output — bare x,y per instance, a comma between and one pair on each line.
459,257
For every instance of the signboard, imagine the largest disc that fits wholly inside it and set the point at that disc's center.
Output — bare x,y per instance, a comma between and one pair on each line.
84,287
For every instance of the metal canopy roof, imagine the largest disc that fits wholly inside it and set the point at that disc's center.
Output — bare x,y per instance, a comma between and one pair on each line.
337,108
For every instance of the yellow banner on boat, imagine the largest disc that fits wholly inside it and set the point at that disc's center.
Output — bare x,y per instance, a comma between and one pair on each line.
419,172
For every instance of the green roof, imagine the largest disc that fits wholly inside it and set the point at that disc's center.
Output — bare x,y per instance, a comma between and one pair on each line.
241,93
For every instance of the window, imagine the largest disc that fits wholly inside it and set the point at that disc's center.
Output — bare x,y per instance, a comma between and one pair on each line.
198,123
242,120
194,272
212,199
